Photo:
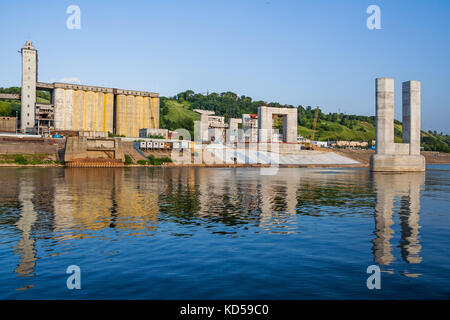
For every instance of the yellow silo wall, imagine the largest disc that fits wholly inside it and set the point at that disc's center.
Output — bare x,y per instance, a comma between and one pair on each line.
90,111
155,112
138,112
134,113
98,112
108,107
130,120
148,113
78,110
120,114
87,110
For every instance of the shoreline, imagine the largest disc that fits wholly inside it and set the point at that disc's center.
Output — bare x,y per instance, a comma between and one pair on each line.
360,156
335,166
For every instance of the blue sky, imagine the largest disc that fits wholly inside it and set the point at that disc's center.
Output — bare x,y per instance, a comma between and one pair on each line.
296,52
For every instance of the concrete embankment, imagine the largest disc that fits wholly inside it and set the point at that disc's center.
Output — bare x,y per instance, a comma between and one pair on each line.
218,154
34,148
214,156
11,145
363,156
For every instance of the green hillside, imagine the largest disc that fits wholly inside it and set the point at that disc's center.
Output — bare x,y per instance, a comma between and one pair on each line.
177,114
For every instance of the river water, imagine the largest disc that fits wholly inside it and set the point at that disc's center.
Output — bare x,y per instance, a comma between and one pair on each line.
224,233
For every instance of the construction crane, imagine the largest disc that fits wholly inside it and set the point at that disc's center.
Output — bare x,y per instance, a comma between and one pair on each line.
316,114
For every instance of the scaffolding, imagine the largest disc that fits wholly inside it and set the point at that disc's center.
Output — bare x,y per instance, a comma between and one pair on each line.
45,118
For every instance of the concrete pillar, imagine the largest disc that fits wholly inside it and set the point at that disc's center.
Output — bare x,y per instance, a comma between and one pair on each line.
385,116
290,126
204,127
264,124
233,130
411,115
28,91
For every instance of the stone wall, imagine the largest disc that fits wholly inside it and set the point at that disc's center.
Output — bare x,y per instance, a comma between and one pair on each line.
8,124
89,150
28,146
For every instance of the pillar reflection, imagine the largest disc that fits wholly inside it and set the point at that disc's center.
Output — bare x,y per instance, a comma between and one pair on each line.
406,187
28,216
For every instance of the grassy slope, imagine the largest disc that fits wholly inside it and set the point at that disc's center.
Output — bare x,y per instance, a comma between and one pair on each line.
362,131
179,111
328,130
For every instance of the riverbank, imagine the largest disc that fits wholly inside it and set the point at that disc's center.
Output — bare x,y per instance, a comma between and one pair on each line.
196,165
311,159
363,156
170,165
16,165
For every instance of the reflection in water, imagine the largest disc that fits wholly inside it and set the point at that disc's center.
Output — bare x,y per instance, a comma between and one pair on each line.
25,247
407,187
79,203
92,199
74,204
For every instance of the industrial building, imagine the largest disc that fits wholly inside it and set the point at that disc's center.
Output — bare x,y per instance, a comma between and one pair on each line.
212,127
250,127
254,127
75,107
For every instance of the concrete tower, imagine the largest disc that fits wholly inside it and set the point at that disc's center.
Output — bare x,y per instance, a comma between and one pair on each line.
28,93
391,156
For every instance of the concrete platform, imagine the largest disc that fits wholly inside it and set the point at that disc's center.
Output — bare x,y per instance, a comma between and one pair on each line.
219,154
397,163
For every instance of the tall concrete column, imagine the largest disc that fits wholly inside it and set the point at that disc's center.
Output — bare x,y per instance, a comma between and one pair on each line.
265,132
204,127
290,126
392,156
411,115
385,116
28,92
